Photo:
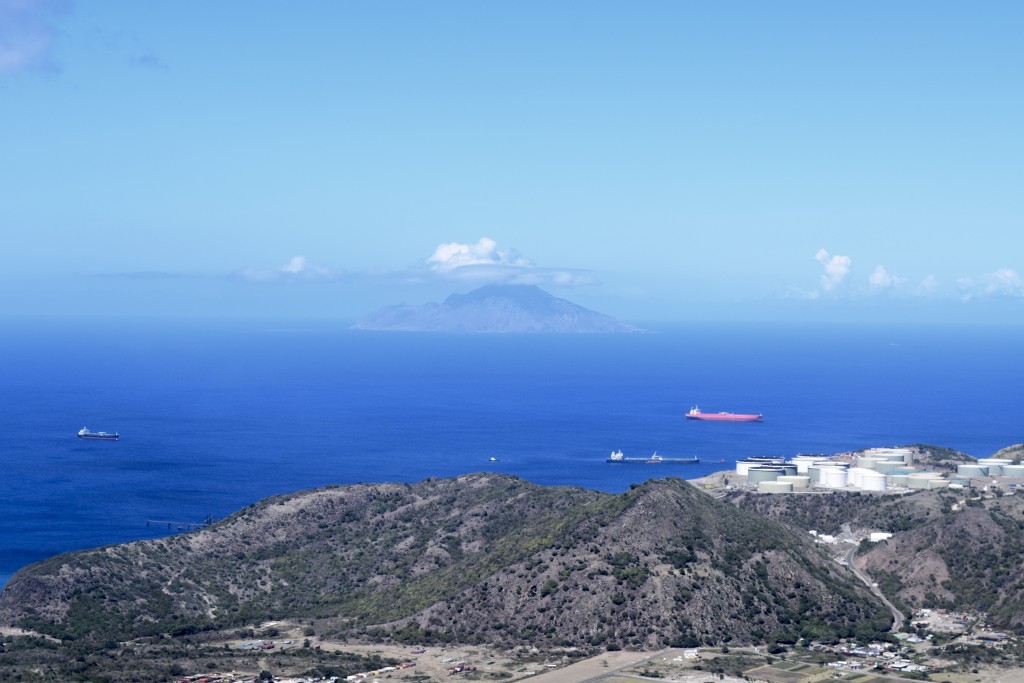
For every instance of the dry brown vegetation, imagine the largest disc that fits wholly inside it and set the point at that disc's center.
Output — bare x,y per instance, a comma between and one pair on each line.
479,558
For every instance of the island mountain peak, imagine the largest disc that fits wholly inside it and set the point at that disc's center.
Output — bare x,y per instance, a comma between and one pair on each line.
495,308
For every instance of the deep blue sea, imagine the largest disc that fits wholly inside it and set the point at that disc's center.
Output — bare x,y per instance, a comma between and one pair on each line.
214,416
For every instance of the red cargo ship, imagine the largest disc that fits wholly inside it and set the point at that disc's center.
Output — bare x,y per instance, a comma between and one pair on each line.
696,414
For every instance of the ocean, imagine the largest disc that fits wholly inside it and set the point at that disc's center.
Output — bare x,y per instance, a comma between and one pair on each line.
214,416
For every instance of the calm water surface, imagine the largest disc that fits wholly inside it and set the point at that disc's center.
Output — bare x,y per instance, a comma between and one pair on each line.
214,417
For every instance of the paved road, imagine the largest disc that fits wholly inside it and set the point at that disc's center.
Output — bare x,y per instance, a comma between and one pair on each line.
897,616
594,669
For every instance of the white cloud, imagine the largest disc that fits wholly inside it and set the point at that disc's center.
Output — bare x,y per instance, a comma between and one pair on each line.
928,287
27,33
553,276
836,269
965,284
481,263
485,262
881,279
1004,282
453,255
298,268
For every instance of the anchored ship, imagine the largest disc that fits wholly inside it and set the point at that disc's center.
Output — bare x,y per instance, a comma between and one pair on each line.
655,459
696,414
84,433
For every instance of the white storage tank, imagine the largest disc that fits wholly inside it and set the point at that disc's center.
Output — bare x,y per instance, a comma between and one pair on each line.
938,483
743,466
920,480
995,465
833,477
904,454
802,465
774,487
895,463
815,471
873,481
1014,471
854,475
804,462
972,471
799,482
763,473
897,479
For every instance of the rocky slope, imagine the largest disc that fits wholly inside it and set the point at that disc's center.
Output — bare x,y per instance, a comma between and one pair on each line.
1014,452
479,558
495,308
952,549
971,559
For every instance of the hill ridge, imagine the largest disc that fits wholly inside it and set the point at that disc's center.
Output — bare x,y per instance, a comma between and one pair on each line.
476,558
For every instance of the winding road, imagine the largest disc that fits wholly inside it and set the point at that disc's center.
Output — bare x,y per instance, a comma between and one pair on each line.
897,616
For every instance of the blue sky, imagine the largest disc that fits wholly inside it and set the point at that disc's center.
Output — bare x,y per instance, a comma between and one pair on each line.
652,160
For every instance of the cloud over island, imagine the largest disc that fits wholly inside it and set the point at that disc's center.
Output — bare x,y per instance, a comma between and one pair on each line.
486,263
481,263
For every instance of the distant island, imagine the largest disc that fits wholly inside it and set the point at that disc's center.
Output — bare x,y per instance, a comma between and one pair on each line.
516,309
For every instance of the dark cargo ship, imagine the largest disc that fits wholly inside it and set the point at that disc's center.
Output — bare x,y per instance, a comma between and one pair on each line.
655,459
84,433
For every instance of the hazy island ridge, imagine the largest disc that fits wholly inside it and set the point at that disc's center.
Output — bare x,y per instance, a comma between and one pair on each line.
495,308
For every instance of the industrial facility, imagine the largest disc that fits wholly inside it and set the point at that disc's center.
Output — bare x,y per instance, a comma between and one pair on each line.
873,469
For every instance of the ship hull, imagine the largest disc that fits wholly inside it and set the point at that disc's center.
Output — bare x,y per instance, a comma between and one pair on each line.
655,461
726,417
84,433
